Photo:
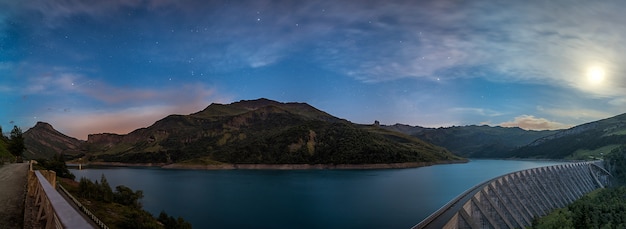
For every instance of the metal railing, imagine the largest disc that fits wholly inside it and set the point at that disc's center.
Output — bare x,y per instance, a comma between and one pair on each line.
84,209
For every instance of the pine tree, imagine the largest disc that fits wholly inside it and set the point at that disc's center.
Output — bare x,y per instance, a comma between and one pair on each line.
16,143
107,192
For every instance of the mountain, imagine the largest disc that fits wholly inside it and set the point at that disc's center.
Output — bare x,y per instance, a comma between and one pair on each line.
261,131
474,141
43,141
590,140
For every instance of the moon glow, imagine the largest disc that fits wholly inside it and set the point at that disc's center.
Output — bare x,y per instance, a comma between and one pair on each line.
595,75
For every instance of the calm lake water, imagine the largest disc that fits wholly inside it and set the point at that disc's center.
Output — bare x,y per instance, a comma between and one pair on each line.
386,198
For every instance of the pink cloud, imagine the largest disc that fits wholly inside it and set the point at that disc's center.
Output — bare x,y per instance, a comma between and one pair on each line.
529,122
79,124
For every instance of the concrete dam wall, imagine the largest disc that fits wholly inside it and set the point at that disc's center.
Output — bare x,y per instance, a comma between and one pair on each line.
515,199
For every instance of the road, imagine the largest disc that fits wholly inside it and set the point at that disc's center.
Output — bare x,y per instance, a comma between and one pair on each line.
12,193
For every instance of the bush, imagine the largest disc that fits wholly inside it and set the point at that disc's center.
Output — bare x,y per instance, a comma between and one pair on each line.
57,164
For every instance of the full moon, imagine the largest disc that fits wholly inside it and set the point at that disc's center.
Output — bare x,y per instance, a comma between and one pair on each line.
595,75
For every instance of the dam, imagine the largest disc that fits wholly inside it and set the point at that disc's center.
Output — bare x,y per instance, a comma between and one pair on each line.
515,199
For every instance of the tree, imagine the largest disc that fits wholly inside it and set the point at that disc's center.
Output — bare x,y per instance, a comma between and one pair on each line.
169,222
2,137
107,192
57,164
126,196
16,143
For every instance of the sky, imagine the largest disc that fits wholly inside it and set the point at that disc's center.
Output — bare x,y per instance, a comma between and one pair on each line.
89,66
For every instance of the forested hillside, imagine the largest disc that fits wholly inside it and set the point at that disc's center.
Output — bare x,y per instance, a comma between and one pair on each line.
587,141
258,131
475,141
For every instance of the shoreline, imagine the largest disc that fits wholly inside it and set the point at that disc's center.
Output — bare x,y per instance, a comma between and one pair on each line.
273,166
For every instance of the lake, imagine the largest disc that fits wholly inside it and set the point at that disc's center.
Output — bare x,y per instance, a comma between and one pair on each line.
382,198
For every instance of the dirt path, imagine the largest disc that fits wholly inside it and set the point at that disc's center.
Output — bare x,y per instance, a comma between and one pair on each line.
12,192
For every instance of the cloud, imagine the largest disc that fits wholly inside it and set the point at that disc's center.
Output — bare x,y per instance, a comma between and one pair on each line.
576,113
55,12
529,122
550,43
79,104
81,123
476,111
618,102
533,42
60,81
537,42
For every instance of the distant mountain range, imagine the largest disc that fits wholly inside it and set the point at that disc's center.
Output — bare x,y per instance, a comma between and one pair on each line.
247,132
586,141
263,131
474,141
590,140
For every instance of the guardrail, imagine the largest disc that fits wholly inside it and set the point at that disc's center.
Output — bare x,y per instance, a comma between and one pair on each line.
84,209
53,211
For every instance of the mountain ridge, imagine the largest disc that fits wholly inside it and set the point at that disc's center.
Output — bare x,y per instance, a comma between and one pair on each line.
269,132
586,141
260,131
473,140
43,141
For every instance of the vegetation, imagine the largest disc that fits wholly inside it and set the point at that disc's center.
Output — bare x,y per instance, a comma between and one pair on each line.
615,162
587,141
604,208
173,223
120,208
565,146
474,141
102,192
5,155
585,154
263,132
43,141
16,143
56,164
12,147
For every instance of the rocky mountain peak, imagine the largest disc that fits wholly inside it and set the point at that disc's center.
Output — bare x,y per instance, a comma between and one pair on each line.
43,141
44,125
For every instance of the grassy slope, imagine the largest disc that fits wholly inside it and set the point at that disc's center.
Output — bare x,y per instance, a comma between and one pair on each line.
586,154
588,140
267,132
4,153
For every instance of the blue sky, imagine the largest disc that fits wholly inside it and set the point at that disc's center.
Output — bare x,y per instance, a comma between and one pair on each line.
117,65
